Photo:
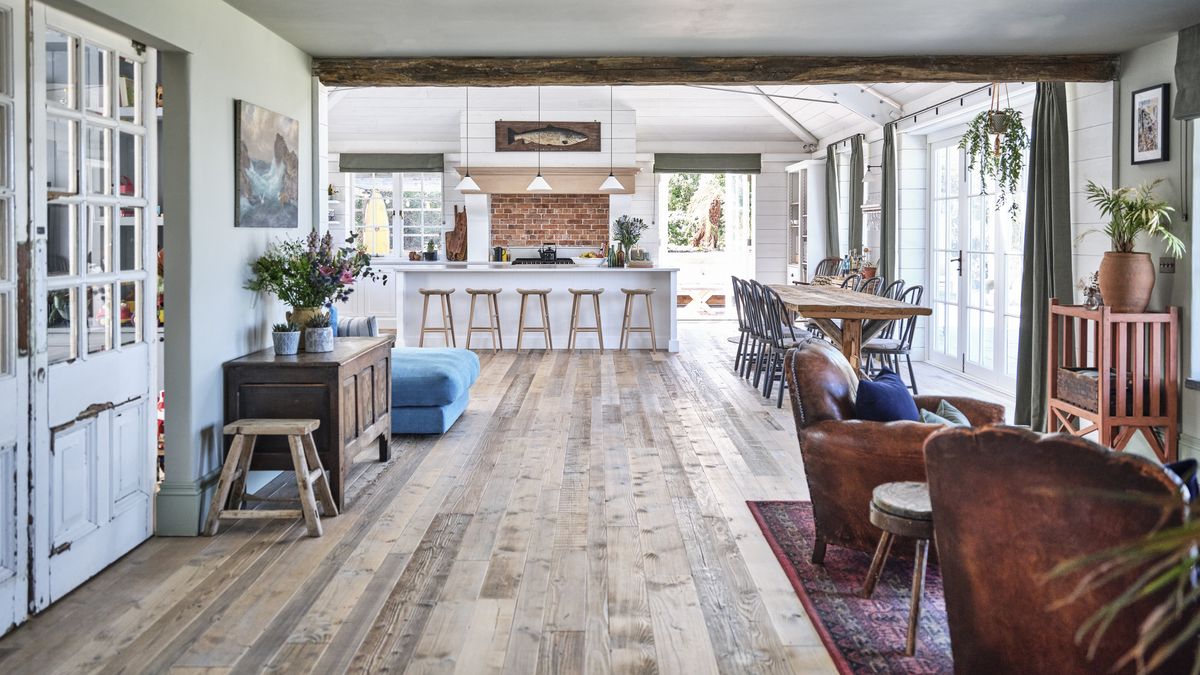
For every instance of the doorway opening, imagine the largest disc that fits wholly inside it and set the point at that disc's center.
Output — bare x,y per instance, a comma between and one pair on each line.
708,221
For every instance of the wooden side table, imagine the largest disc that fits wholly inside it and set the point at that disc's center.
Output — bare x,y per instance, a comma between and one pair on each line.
902,510
348,389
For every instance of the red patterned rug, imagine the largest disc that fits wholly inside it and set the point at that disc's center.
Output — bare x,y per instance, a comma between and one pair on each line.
862,636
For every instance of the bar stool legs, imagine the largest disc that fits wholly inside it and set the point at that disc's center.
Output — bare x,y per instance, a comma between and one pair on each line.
598,329
627,325
447,328
544,329
493,326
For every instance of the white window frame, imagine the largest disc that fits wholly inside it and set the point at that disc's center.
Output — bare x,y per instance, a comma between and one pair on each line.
398,210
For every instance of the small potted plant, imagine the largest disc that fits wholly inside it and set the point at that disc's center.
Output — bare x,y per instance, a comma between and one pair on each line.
995,141
627,231
318,334
431,250
1126,275
286,337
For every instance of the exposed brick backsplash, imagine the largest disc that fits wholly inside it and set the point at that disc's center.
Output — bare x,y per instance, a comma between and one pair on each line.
566,220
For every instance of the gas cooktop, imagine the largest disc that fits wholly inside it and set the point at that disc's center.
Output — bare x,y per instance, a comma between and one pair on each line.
543,261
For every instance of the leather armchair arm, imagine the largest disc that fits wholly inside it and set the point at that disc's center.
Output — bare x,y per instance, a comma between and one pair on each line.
981,413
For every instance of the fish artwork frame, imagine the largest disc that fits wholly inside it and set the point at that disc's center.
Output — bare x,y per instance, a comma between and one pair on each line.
547,136
266,167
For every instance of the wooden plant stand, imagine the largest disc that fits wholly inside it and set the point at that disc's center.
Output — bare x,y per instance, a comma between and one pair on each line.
1116,375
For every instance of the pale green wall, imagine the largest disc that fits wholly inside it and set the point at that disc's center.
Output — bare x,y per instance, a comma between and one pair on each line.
214,54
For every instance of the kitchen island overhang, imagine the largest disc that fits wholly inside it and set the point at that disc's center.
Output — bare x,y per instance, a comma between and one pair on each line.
411,277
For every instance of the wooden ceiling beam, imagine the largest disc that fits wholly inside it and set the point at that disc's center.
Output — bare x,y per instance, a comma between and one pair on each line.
727,70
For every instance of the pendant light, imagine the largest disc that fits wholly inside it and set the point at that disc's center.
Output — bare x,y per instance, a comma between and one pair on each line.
610,183
539,184
467,183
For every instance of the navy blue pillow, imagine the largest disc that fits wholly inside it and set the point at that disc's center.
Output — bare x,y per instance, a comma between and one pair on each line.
885,399
1186,470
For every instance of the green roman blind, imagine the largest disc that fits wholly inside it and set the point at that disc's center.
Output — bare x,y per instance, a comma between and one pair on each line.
677,162
383,162
1187,74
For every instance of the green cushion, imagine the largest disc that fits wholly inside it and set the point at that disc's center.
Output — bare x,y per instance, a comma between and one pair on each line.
933,418
953,415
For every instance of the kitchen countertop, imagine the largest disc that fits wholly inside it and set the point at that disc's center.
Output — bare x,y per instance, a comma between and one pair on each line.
508,267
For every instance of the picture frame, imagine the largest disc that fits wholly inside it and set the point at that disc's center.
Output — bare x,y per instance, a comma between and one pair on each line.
1150,124
266,167
547,136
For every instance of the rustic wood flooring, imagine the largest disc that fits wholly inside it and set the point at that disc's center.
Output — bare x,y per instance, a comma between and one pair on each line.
587,514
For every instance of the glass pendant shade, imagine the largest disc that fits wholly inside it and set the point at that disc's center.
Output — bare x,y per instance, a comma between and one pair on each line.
467,183
539,184
611,183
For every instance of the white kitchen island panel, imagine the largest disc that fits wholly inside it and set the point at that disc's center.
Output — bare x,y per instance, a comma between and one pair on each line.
409,279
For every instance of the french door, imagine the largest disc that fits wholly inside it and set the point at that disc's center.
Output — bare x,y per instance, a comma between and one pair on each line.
14,346
975,267
93,143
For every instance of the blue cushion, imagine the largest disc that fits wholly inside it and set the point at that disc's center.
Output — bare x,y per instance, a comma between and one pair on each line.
885,399
1186,470
431,377
428,419
934,418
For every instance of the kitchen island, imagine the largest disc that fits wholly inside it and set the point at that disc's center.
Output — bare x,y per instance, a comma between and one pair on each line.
410,277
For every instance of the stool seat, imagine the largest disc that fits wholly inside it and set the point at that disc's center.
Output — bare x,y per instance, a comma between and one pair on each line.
639,291
586,291
436,291
483,291
267,427
534,291
904,499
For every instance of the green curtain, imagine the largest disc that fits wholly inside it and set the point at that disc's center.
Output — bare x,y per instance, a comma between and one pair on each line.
833,247
858,172
1047,271
889,264
385,162
677,162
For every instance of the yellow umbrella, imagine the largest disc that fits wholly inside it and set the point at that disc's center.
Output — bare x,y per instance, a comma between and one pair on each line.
376,233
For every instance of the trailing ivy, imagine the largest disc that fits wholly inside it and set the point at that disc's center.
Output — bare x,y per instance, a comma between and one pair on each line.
998,157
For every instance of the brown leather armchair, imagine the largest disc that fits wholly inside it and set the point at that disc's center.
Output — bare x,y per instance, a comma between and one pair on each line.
1008,506
845,458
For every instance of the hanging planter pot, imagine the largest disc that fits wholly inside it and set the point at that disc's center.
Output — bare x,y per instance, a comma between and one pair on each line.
995,143
998,121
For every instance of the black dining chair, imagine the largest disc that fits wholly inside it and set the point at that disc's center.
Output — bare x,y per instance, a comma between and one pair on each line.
873,285
852,282
743,338
782,337
889,349
893,290
827,267
756,351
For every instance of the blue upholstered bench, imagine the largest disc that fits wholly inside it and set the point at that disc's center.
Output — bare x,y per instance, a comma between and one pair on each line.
430,388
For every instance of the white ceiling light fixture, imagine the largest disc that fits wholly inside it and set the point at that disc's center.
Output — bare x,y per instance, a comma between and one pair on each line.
611,183
539,184
467,183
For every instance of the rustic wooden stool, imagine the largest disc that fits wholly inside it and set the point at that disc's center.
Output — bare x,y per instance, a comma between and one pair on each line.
493,326
542,295
902,510
577,294
310,475
627,326
447,327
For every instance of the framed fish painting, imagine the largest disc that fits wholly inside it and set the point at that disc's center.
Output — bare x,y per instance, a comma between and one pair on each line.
547,136
267,167
1151,124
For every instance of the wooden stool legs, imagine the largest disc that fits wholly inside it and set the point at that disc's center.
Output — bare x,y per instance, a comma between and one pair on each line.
311,481
918,583
447,327
493,326
544,329
627,326
881,554
598,328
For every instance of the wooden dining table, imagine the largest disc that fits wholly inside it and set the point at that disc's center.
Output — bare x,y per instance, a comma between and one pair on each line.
862,315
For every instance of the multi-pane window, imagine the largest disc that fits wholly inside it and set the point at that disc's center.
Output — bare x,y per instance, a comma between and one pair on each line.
408,223
95,198
8,280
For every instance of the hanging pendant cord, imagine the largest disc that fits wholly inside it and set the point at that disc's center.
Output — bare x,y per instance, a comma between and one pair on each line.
610,129
539,123
467,123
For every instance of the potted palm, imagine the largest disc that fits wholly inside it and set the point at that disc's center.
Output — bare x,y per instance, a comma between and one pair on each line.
310,274
1127,275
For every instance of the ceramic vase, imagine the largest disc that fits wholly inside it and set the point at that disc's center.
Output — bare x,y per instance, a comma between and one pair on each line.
318,340
286,343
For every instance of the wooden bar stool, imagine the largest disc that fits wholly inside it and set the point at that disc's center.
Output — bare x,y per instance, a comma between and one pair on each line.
542,295
310,475
627,326
493,326
577,294
902,510
447,328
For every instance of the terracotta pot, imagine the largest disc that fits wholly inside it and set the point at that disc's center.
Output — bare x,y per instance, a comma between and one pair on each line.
1126,281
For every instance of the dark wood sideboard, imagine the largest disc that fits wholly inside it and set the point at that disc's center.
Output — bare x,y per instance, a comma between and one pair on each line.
349,389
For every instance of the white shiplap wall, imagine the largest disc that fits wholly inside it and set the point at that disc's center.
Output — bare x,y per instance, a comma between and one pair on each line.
912,155
1090,124
770,221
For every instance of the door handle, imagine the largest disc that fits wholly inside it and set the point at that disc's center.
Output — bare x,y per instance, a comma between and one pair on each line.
959,261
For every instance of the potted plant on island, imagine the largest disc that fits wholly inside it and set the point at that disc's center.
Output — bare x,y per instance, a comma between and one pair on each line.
995,142
1126,275
431,250
318,334
310,274
286,337
627,230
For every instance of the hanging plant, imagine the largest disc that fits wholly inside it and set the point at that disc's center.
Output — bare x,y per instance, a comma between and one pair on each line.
995,142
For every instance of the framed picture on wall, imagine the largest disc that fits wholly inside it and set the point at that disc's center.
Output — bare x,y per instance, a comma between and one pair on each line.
266,152
1151,124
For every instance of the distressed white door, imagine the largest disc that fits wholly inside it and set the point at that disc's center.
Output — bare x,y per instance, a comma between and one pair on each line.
94,122
14,344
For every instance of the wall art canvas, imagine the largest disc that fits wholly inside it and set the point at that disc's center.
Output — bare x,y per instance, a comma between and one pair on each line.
268,167
547,136
1151,124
